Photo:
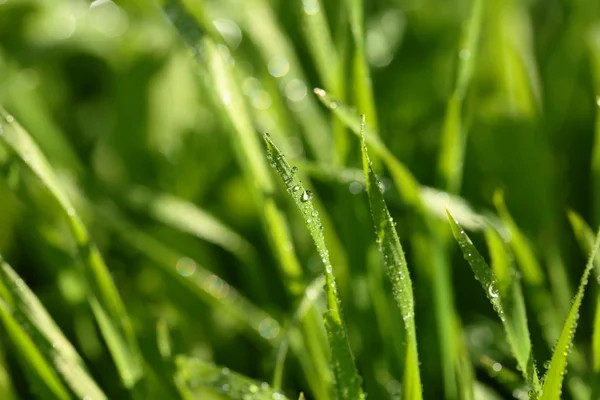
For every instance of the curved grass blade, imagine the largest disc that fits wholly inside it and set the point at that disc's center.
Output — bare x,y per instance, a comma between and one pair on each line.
454,135
397,271
46,335
585,238
196,374
554,376
505,295
348,381
104,299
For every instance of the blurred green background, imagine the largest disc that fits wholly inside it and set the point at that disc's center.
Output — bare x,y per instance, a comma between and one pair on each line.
126,116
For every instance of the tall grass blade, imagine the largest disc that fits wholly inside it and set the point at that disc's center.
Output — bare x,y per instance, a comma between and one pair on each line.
555,374
348,381
104,299
504,293
454,135
397,270
196,374
57,351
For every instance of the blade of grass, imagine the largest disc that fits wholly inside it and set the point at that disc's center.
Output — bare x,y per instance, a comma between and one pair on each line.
585,238
46,335
195,374
348,381
594,49
7,391
555,375
429,247
504,294
454,135
104,298
397,271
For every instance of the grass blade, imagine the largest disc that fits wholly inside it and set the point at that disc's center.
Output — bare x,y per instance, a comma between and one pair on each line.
348,381
555,375
104,299
505,295
397,270
197,374
46,336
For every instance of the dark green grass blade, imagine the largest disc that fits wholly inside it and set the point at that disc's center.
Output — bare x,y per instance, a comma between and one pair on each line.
504,294
57,351
104,299
585,238
196,374
397,270
348,381
555,374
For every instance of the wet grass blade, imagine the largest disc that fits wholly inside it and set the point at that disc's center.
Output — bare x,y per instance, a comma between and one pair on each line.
503,291
104,299
347,379
555,375
454,135
56,350
196,375
397,271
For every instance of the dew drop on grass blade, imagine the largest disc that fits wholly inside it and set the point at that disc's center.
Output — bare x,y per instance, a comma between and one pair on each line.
194,375
397,271
57,351
504,294
348,381
104,299
554,377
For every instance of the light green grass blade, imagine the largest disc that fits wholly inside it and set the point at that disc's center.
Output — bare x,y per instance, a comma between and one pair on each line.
397,270
46,335
197,374
348,381
585,238
505,295
104,299
454,134
555,374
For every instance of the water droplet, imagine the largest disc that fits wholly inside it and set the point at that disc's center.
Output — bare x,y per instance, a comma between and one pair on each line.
308,221
598,100
296,188
407,316
225,387
10,118
294,170
334,104
355,187
464,54
311,7
315,213
225,371
497,367
306,196
185,267
278,66
253,388
319,92
268,328
267,134
493,293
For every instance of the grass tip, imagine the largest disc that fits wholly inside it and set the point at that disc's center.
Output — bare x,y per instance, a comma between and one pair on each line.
320,92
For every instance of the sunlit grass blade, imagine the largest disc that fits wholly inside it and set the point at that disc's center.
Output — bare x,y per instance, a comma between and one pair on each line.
198,375
585,238
454,134
348,381
504,293
46,335
428,246
397,271
104,299
554,377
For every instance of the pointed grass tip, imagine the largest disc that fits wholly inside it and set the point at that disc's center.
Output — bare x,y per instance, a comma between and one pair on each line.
320,92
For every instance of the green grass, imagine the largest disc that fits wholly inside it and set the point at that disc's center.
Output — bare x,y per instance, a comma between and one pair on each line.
149,249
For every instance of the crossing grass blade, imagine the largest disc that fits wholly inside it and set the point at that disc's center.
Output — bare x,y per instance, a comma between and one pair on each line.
347,379
104,298
555,375
585,238
504,293
31,316
397,271
454,134
196,375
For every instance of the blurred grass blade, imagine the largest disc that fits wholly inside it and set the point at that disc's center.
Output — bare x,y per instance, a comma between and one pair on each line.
45,334
585,238
197,374
555,374
594,46
454,135
7,390
397,271
505,295
348,381
104,299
